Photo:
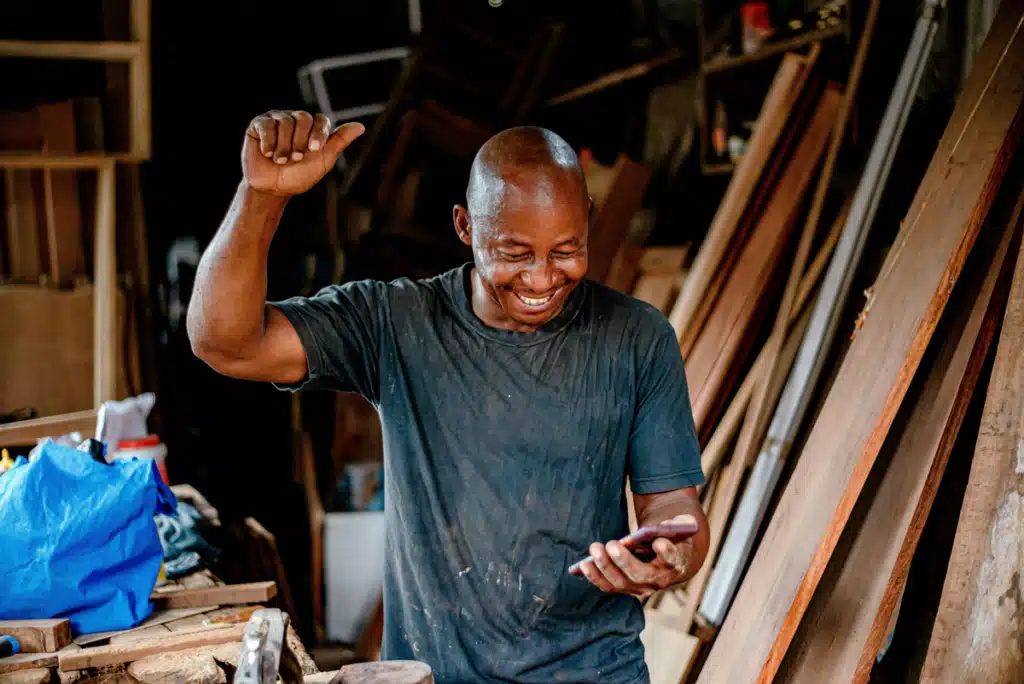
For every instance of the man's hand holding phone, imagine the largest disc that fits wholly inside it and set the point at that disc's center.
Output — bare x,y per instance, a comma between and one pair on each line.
652,558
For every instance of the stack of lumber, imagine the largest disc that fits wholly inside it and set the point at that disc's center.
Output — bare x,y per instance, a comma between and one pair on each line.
942,331
193,635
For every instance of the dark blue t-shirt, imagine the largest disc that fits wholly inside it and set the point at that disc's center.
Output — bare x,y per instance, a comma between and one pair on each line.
505,455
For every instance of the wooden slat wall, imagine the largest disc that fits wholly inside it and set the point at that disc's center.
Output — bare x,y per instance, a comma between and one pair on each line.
910,295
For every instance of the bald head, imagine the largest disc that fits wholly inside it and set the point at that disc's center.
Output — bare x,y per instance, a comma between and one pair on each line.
524,160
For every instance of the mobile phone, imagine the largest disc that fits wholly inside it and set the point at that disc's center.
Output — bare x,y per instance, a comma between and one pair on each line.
640,542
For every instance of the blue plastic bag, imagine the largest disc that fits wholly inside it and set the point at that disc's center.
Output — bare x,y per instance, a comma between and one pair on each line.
78,540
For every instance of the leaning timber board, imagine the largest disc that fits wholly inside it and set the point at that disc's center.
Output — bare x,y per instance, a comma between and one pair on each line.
910,295
719,344
847,620
976,637
782,97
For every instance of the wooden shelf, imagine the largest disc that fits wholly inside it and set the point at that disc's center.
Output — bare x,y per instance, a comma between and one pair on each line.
107,51
770,49
43,161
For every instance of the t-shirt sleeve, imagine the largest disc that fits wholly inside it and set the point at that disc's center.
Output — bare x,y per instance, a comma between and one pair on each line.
664,453
340,328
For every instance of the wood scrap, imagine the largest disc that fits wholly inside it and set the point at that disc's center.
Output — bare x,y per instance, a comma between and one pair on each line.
716,352
976,637
114,654
782,97
849,616
225,594
389,672
157,617
194,668
910,295
35,676
668,650
27,661
38,636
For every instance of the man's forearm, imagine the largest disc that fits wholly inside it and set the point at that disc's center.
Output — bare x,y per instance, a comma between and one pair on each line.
652,509
225,314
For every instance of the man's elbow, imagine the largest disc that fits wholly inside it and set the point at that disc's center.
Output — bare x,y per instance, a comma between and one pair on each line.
206,346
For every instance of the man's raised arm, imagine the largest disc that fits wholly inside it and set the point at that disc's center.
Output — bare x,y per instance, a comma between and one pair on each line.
230,325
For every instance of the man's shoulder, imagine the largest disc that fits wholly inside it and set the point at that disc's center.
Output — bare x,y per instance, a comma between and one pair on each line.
400,294
619,310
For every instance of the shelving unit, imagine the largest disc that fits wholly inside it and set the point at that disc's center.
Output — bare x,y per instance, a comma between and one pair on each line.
741,81
136,54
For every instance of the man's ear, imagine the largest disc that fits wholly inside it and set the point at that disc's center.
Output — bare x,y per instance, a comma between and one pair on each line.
460,216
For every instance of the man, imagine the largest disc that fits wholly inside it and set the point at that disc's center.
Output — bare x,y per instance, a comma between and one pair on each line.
515,397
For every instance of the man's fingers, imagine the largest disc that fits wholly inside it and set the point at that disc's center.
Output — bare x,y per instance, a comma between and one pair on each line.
343,136
595,577
634,569
610,571
320,132
670,554
300,138
684,518
285,130
264,129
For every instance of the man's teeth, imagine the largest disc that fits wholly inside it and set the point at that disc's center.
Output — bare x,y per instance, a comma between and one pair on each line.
532,301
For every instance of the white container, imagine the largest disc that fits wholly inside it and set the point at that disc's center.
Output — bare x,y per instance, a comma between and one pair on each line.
353,571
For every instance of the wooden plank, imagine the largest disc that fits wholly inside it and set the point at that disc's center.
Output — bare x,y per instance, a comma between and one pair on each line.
128,636
976,637
657,289
36,676
77,161
64,242
910,295
225,594
611,223
848,618
27,661
38,636
106,332
115,654
719,345
668,650
781,98
157,617
28,432
23,225
105,51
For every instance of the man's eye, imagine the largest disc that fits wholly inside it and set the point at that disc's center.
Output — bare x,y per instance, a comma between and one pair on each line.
566,255
515,257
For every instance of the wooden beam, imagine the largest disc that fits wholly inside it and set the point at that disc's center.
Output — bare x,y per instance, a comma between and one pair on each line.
657,289
976,637
140,126
115,654
27,661
64,243
45,161
849,616
157,617
38,636
223,594
104,51
105,330
716,351
782,97
909,297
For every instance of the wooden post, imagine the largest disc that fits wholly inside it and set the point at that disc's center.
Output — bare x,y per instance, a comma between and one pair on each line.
139,74
105,332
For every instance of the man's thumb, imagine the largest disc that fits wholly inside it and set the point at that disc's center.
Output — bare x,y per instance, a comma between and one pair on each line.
342,136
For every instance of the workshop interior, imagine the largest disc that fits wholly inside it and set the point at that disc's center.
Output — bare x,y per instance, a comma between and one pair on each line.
822,198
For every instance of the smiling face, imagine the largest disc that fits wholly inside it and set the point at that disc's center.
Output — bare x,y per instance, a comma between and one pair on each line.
527,224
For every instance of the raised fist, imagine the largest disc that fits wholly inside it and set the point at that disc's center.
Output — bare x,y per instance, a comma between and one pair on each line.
286,153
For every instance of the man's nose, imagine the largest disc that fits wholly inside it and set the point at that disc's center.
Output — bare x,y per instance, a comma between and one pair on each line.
540,276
